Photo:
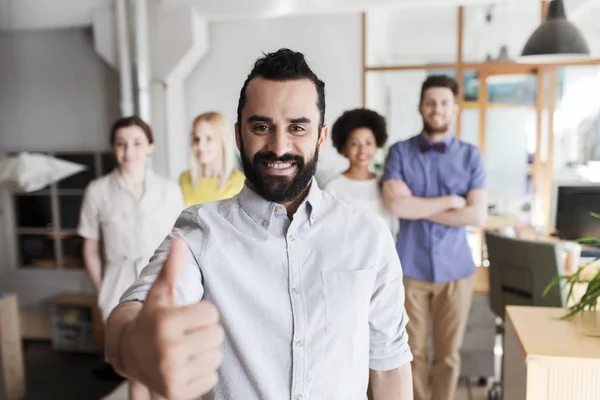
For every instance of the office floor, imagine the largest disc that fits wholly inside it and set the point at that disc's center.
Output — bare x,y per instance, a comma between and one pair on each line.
52,375
470,391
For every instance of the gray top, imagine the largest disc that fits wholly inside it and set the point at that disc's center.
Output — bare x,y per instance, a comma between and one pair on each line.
308,305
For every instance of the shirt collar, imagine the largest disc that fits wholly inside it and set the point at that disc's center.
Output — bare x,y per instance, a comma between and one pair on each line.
261,210
447,140
148,179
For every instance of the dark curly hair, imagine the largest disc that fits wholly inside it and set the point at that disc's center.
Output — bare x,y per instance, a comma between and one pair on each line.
354,119
284,65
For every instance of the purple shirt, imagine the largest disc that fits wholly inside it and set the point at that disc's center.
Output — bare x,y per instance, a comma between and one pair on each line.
429,251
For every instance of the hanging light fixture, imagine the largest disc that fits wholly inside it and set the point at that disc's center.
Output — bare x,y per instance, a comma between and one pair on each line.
556,39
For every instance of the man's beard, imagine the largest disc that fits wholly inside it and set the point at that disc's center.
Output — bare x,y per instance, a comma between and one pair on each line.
433,130
278,189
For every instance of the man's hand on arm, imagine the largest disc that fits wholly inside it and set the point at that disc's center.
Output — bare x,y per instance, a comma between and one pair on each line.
395,384
400,202
473,214
173,350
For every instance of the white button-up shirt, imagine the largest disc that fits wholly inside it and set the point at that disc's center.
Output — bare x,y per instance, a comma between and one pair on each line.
130,230
308,305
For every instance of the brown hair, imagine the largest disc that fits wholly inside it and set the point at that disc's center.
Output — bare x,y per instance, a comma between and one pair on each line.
133,120
441,81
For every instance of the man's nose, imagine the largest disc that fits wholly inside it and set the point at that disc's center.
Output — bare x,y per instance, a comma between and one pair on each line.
280,143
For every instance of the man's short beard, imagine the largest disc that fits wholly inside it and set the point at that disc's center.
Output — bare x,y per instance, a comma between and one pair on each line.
427,128
279,189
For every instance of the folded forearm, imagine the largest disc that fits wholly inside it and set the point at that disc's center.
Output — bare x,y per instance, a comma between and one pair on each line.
119,319
395,384
468,216
411,207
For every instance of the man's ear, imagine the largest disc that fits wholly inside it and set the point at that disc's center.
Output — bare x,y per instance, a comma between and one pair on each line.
323,136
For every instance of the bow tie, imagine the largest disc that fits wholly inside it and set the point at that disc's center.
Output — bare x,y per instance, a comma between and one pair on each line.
441,147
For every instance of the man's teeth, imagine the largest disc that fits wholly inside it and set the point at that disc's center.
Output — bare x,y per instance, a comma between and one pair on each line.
279,165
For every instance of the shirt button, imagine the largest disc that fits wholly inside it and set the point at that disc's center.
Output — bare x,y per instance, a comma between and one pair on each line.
299,397
292,238
265,224
295,290
279,209
299,344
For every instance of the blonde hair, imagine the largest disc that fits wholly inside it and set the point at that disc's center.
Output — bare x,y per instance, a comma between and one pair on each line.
226,161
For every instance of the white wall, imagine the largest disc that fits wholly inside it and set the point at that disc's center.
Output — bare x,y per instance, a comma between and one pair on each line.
55,94
330,43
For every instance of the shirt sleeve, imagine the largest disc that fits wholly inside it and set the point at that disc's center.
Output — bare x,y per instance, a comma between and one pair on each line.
477,171
89,216
393,165
389,347
189,285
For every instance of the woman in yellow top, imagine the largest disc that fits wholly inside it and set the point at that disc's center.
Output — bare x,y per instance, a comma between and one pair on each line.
213,175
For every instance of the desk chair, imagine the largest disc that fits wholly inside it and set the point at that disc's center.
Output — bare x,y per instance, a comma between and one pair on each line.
519,272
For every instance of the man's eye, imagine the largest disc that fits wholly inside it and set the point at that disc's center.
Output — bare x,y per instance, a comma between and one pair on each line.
297,129
261,128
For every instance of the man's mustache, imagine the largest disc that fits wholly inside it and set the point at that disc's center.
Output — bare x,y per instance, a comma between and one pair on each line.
269,156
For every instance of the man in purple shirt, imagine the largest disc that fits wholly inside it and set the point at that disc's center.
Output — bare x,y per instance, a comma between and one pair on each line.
435,184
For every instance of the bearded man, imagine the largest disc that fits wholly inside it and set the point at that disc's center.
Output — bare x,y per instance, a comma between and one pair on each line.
436,185
309,290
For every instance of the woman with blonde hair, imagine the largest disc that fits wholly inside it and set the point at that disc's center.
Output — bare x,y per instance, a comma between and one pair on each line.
212,175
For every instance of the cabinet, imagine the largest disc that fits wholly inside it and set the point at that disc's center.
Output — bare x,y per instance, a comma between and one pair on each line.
548,358
76,323
46,220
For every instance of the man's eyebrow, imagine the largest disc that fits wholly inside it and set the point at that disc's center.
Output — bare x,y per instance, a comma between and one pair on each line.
260,118
301,120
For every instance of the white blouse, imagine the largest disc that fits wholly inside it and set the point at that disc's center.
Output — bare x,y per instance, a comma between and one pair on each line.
130,230
364,194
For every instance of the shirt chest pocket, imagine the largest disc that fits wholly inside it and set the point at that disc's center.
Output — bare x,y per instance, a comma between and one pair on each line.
347,300
454,180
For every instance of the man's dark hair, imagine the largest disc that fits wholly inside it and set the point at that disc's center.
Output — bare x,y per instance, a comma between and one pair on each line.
283,65
133,120
354,119
442,81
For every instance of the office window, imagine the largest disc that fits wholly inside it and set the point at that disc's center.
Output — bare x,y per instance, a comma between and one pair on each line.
46,220
412,37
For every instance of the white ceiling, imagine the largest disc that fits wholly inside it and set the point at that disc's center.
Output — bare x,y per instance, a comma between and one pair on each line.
47,14
53,14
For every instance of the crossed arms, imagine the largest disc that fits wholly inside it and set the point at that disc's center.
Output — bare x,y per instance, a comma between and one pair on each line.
445,210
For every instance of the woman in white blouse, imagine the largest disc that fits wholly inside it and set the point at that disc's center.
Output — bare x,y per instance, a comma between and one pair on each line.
357,134
131,209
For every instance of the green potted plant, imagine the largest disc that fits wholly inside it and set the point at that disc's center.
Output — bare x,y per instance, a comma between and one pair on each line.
588,274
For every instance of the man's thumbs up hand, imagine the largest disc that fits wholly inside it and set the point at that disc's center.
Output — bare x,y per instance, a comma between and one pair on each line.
174,350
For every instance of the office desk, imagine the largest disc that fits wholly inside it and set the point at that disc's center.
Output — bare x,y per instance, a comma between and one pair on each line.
547,358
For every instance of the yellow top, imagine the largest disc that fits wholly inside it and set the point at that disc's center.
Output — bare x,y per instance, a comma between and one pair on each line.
208,189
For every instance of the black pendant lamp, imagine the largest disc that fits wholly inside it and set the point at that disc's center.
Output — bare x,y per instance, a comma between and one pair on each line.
556,39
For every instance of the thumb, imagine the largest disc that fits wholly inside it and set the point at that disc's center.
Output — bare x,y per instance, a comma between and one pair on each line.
162,293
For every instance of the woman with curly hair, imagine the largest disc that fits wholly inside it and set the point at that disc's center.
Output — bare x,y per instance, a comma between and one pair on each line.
357,134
